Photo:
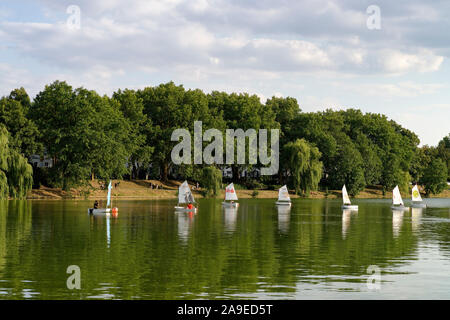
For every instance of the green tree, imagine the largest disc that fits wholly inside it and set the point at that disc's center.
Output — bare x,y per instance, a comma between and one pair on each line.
16,175
84,134
243,111
211,180
4,152
371,162
443,152
434,178
348,170
139,133
21,95
304,165
171,107
285,110
24,132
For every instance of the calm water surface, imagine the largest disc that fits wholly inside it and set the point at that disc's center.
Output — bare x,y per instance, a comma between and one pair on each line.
312,251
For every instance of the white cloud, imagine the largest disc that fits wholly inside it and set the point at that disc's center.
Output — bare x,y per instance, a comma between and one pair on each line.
427,121
399,62
313,103
393,90
295,47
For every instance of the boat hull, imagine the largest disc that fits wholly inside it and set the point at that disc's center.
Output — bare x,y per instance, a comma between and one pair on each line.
418,205
230,205
183,209
101,211
399,208
283,203
350,207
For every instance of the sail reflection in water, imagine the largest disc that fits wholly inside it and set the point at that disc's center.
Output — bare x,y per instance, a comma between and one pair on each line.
397,221
108,231
284,216
346,216
416,217
184,220
255,252
230,218
103,223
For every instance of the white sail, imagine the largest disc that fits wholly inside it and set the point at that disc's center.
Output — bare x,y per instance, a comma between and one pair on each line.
185,194
230,193
108,197
283,194
396,197
345,197
416,194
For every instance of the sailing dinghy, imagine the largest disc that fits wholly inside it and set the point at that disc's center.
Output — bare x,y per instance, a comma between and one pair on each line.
417,201
230,197
105,211
397,201
346,200
283,197
185,197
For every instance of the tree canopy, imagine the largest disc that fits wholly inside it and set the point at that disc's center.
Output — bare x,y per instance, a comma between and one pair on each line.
129,135
16,175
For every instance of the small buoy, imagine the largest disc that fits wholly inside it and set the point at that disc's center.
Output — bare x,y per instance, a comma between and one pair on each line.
115,211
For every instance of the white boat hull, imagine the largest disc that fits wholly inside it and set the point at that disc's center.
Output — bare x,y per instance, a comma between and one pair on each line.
230,205
418,205
183,209
350,207
283,203
399,208
104,211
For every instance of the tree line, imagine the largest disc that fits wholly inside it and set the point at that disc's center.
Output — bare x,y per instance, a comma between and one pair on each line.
128,135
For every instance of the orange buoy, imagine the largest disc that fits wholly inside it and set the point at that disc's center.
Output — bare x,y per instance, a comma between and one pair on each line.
115,211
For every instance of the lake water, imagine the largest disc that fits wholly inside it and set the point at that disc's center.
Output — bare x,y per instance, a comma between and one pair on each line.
312,251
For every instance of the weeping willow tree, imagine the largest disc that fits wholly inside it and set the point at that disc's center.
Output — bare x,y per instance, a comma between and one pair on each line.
211,180
16,174
303,163
4,151
20,175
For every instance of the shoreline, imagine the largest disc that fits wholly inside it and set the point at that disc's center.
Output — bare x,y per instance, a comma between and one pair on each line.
142,190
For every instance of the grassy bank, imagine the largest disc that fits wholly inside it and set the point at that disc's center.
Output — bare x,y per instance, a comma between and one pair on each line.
146,189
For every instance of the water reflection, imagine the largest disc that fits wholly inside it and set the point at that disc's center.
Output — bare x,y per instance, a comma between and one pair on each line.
346,220
397,221
184,220
153,253
108,231
284,216
416,217
230,218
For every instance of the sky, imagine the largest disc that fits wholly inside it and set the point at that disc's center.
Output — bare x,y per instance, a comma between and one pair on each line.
389,57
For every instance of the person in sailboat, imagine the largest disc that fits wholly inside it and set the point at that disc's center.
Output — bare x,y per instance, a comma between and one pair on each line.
190,200
95,204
